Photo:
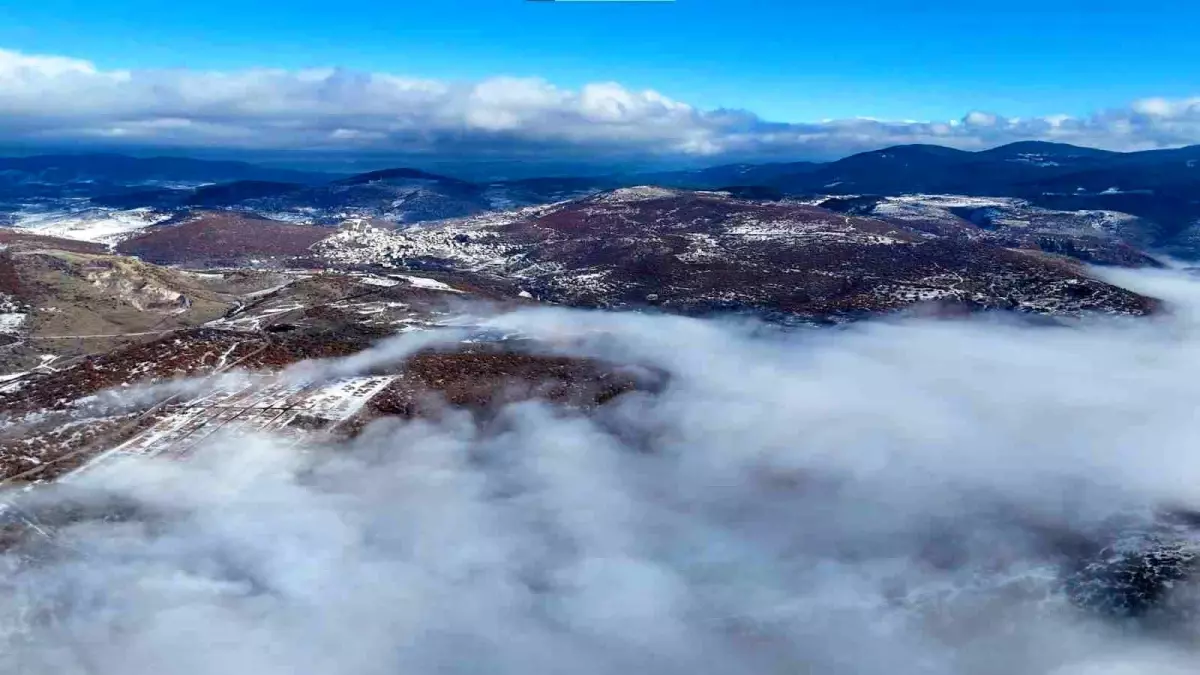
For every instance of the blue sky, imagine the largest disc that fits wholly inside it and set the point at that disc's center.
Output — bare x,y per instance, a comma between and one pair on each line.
694,81
787,60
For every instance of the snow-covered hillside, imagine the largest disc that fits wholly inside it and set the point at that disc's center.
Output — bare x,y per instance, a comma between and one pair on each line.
84,222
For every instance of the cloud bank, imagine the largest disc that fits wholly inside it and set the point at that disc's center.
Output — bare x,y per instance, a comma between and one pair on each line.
54,99
891,499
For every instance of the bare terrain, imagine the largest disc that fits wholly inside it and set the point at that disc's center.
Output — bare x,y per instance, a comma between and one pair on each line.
700,252
223,239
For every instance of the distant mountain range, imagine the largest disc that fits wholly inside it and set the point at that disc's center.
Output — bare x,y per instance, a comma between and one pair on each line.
898,168
400,195
1161,187
113,169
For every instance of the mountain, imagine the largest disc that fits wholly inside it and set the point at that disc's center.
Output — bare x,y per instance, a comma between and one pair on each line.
701,252
1158,186
726,175
81,221
1032,152
401,196
111,356
111,169
1186,155
100,321
534,191
1102,237
1156,189
223,239
1001,171
61,298
931,168
399,176
398,195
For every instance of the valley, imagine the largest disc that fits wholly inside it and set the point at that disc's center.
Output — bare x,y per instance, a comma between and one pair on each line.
164,271
161,315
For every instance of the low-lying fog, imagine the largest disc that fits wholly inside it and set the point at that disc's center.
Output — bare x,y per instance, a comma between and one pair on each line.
892,498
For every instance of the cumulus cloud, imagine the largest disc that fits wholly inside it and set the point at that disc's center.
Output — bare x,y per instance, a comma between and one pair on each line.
56,99
893,498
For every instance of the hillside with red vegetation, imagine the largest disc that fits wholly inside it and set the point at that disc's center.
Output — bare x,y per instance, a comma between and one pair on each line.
702,252
24,241
223,239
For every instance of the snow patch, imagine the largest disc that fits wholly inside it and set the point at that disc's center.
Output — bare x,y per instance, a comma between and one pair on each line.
100,225
257,404
372,280
423,282
639,193
10,322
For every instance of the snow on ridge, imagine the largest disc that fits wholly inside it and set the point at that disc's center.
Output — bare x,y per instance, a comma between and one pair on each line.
956,201
470,241
372,280
479,242
463,245
639,193
93,224
1009,216
426,283
1034,158
252,406
904,210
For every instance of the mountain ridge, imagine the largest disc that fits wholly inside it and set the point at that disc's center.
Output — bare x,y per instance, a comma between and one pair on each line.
1158,186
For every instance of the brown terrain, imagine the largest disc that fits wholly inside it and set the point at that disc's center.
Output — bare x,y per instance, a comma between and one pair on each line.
796,259
57,424
110,355
700,252
53,422
73,303
222,238
1095,237
94,321
16,240
483,379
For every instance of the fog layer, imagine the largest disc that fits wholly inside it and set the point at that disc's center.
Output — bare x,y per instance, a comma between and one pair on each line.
891,498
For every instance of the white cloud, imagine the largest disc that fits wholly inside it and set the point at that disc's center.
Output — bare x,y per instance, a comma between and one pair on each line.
53,98
896,498
976,118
